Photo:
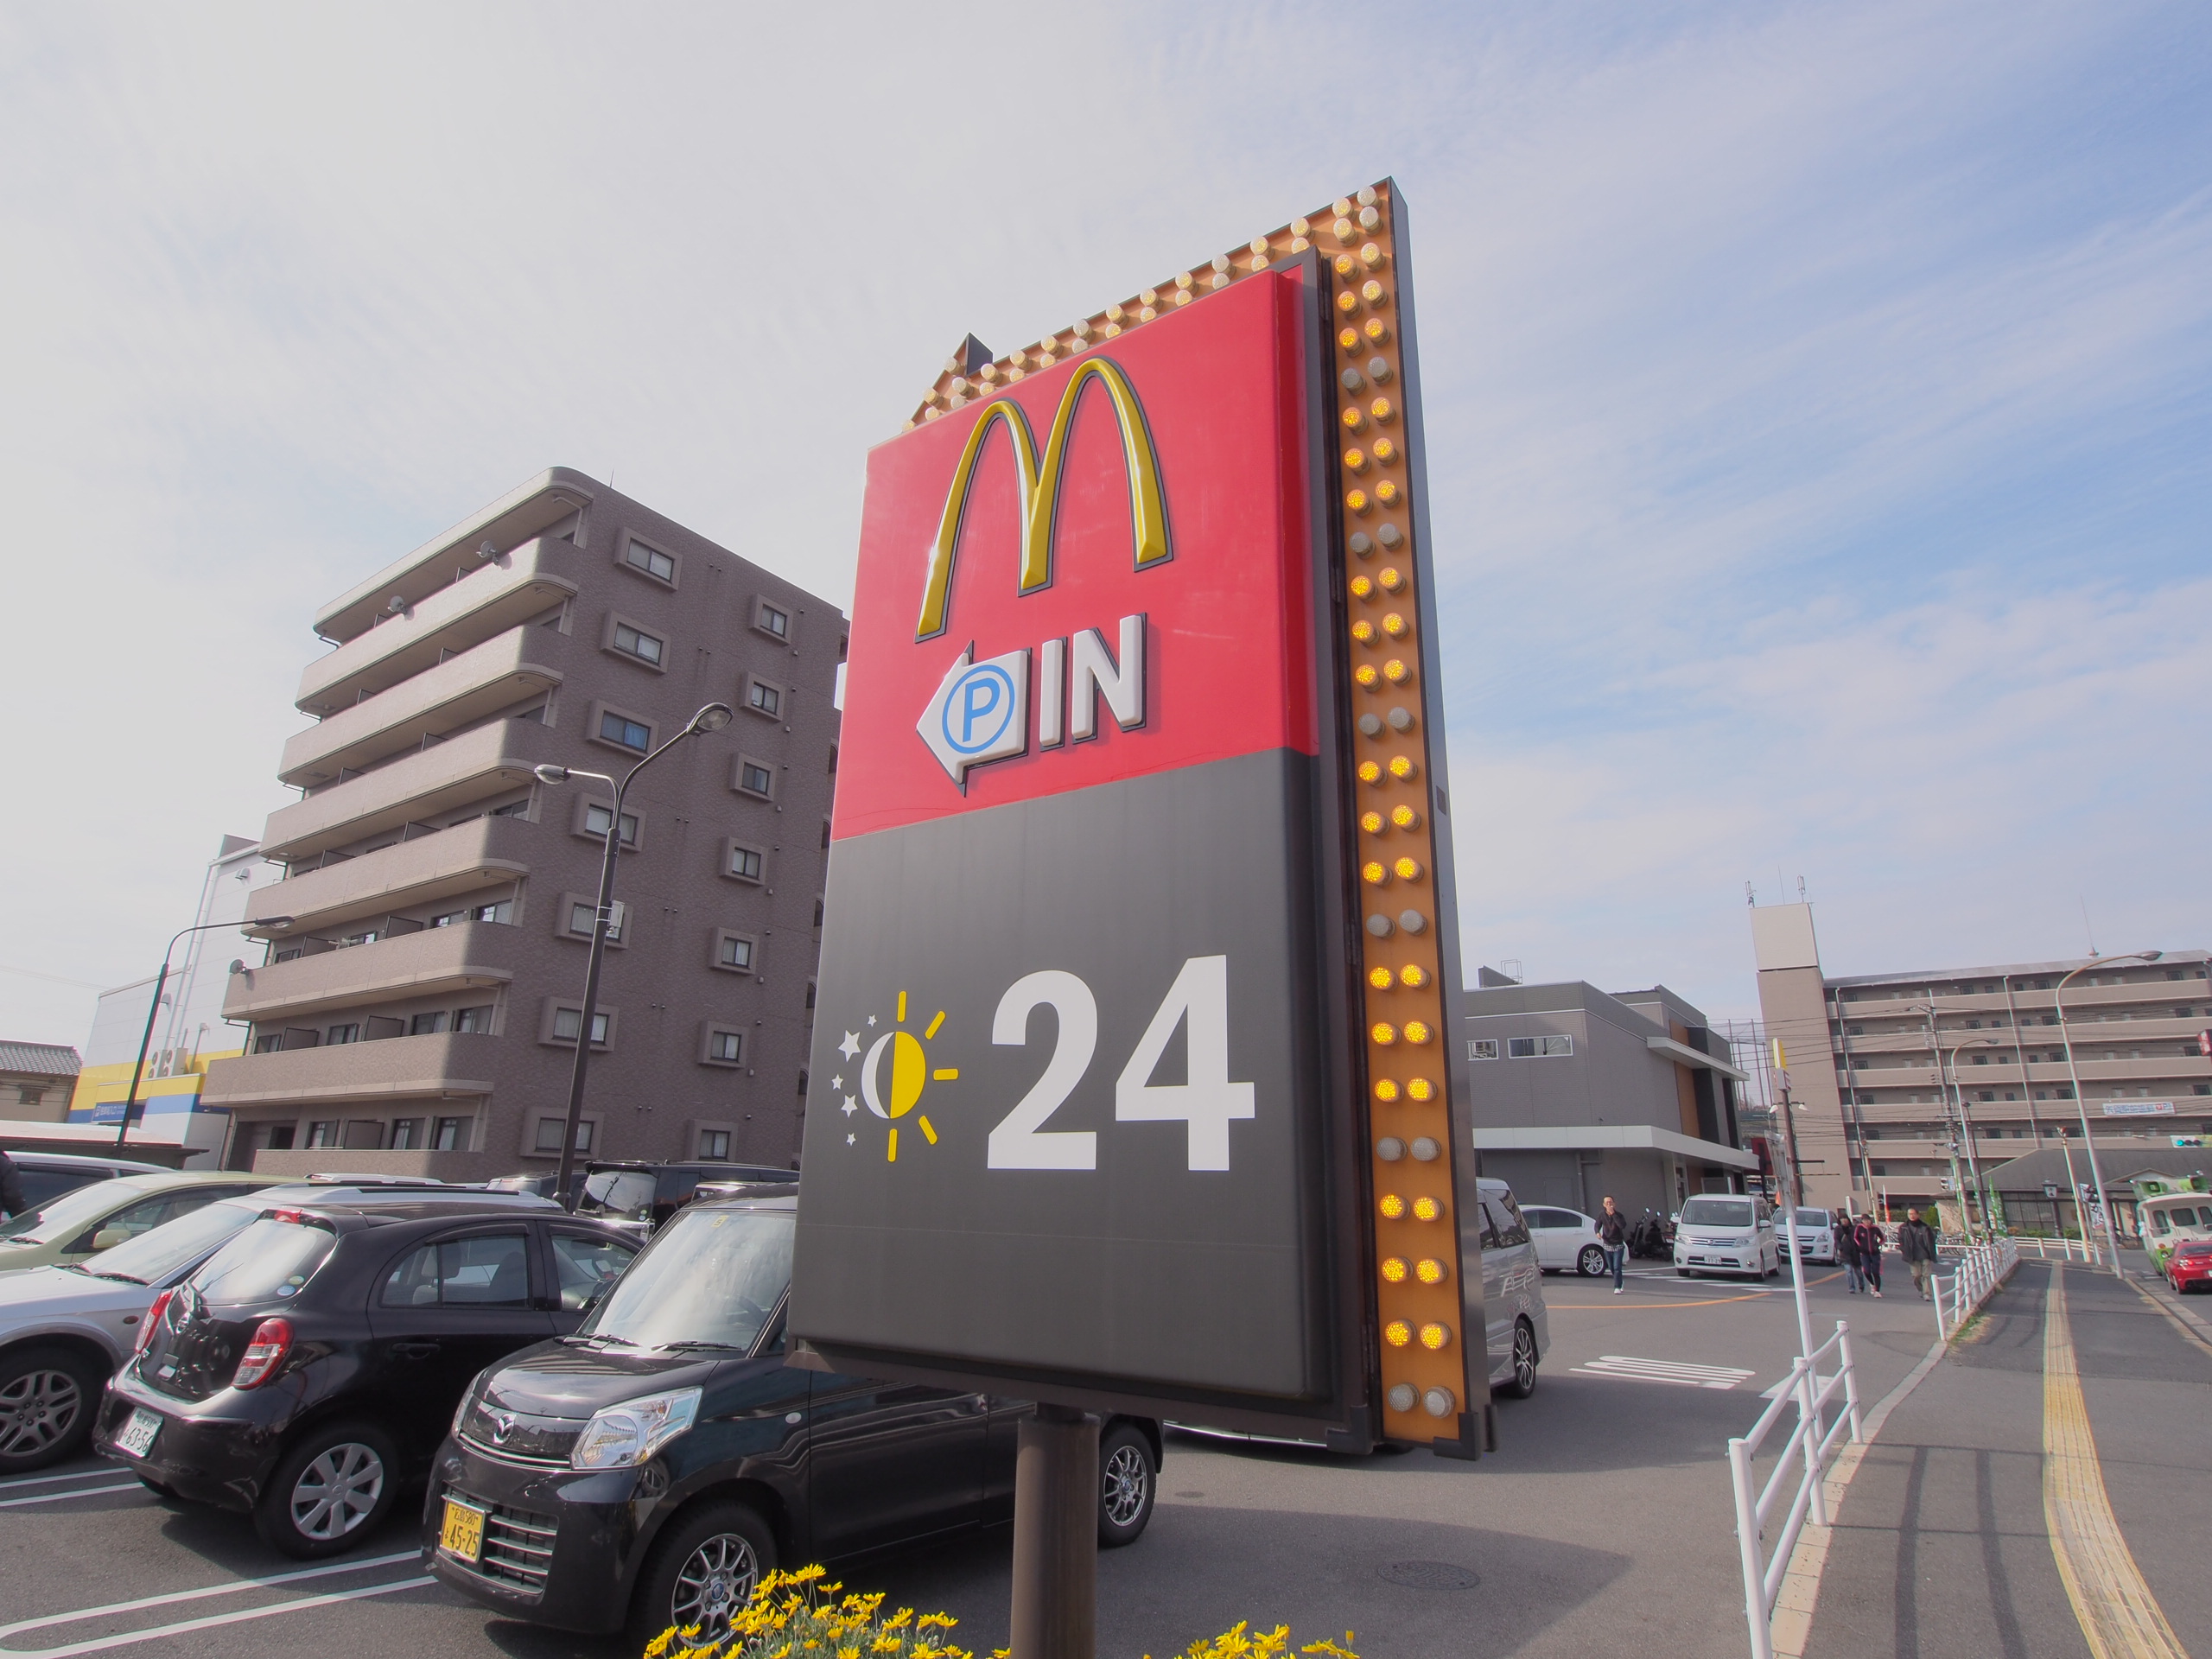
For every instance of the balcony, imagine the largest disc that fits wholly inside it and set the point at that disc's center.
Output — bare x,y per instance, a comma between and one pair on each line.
451,1064
468,956
491,600
482,680
472,768
464,859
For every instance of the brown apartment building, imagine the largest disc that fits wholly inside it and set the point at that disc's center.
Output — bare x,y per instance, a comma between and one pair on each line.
420,1012
1878,1112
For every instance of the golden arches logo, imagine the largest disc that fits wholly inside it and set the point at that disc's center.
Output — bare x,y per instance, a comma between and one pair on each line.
1040,484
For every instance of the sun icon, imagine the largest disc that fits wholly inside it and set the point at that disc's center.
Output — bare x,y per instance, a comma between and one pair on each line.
910,1074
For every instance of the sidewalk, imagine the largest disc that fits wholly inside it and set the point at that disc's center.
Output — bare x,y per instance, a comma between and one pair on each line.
1943,1546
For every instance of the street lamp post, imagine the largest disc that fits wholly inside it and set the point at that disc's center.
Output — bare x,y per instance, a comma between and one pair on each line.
712,718
1965,1129
153,1010
2088,1139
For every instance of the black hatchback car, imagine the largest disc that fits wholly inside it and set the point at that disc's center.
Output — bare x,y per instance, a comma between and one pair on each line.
307,1372
645,1471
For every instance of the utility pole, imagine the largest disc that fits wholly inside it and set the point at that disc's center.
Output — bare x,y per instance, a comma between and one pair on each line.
1795,1189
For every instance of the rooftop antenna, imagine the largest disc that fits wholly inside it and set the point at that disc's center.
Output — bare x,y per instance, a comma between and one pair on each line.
1801,889
2081,900
1750,897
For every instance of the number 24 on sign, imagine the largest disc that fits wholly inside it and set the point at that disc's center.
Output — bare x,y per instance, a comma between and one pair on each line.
1206,1104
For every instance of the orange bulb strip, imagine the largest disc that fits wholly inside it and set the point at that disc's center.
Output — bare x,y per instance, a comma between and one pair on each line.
1414,1219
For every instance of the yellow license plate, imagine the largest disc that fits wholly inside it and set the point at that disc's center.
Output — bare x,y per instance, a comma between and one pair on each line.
461,1532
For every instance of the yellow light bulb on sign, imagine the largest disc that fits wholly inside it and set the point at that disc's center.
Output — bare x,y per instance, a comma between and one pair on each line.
1402,766
1426,1209
1429,1271
1412,977
1369,773
1391,1206
1393,1270
1417,1031
1433,1337
1420,1088
1373,822
1406,869
1397,1333
1405,817
1374,873
1386,1091
1383,1033
1381,978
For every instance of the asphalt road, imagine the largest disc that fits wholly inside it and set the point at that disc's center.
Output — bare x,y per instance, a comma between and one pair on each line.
1603,1524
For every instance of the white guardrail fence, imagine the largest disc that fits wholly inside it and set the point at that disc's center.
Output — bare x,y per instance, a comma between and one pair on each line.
2062,1249
1982,1267
1801,1464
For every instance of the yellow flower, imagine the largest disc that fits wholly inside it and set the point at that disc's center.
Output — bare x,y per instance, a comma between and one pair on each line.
806,1574
943,1621
898,1620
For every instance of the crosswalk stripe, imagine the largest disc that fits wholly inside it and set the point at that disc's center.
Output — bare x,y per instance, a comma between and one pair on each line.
1678,1372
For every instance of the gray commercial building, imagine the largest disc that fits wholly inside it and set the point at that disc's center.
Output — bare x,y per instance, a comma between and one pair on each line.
1877,1111
420,1012
1578,1093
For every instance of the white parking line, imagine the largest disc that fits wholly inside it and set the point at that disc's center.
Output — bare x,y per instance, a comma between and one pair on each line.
81,1491
234,1587
102,1473
1665,1370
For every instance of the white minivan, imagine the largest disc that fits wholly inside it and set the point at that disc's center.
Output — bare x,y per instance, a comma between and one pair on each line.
1725,1232
1816,1236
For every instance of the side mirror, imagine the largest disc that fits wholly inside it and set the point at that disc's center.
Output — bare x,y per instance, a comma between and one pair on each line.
1676,1218
108,1237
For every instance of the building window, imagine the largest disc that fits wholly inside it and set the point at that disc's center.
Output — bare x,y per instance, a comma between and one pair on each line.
598,817
734,950
426,1025
622,730
764,698
771,620
324,1133
583,916
406,1132
809,994
745,863
1538,1048
342,1034
567,1022
272,1044
651,560
725,1047
548,1134
476,1020
1877,1169
715,1144
636,642
754,778
451,1135
1482,1048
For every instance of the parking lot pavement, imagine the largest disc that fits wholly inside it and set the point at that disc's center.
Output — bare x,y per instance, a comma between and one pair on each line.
1602,1520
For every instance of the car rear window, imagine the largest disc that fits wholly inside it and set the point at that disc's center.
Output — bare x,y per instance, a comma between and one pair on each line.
1717,1212
43,1187
152,1257
274,1257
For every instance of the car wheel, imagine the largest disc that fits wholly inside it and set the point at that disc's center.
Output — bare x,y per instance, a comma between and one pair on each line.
702,1571
330,1491
1591,1263
1523,1381
47,1400
1127,1480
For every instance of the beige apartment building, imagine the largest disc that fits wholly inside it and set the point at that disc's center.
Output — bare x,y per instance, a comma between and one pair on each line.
1878,1111
419,1012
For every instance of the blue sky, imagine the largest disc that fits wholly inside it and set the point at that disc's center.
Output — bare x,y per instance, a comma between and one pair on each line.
1819,398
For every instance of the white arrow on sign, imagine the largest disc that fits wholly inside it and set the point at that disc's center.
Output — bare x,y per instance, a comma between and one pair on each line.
980,712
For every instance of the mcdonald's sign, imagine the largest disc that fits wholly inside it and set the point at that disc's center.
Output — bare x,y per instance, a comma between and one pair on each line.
1130,1085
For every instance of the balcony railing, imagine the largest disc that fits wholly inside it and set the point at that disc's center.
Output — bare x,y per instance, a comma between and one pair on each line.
472,768
498,674
490,600
468,956
448,1065
420,870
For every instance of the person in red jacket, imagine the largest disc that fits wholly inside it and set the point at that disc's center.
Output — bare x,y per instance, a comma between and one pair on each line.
1867,1235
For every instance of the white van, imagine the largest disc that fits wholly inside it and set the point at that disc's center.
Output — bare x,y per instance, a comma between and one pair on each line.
2172,1218
1816,1230
1725,1232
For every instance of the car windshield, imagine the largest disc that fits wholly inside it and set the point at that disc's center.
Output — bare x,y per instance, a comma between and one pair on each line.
272,1257
152,1257
69,1212
1717,1212
1812,1218
712,1277
618,1193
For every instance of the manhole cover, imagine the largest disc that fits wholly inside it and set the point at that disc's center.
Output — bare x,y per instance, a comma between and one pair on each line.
1429,1575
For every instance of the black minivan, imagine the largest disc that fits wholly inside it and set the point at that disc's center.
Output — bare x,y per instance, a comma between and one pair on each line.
645,1471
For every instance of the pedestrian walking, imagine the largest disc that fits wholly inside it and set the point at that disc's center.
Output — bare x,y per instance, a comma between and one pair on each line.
1613,1233
11,1188
1917,1243
1868,1235
1846,1251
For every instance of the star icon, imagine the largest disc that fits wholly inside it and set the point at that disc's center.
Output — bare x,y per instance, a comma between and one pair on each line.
851,1045
871,1019
850,1139
850,1106
836,1083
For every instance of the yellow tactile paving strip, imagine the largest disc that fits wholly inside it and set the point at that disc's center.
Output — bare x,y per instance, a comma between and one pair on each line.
2120,1617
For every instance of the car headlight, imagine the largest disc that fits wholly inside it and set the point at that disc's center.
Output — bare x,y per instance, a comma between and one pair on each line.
460,1411
622,1437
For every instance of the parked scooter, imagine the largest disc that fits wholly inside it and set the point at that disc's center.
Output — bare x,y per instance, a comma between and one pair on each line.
1650,1238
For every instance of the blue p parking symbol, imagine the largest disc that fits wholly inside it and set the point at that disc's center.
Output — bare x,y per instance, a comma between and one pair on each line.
977,713
980,712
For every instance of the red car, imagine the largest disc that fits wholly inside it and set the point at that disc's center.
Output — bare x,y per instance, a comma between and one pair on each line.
2190,1265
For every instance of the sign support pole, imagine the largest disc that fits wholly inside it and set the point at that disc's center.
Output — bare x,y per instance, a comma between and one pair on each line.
1056,1536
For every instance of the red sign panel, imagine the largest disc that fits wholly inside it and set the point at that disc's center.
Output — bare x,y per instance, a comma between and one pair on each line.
1011,695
